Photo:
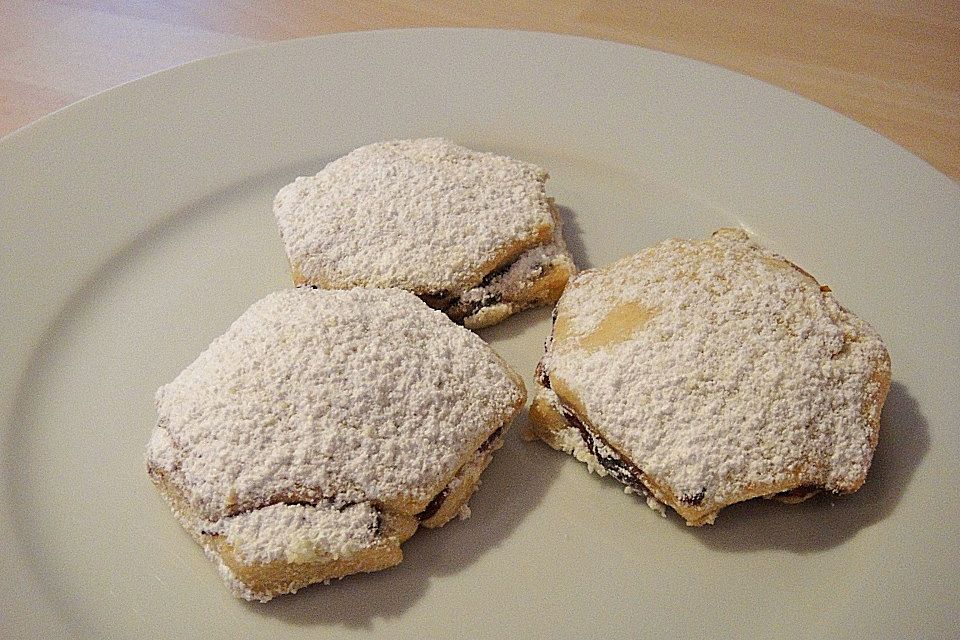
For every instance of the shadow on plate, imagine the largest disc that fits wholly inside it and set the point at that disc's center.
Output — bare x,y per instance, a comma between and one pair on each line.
826,521
573,235
513,485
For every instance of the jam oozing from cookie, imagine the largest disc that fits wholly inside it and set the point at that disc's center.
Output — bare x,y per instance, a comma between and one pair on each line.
490,440
438,500
440,301
497,285
462,309
618,467
627,473
434,505
623,470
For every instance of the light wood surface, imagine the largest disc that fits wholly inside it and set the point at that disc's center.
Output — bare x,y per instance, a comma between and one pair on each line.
893,65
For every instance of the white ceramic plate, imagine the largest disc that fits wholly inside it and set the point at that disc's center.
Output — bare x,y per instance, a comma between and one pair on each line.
137,225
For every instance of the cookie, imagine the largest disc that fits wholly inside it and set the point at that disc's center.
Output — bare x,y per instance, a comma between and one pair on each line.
702,373
315,436
473,234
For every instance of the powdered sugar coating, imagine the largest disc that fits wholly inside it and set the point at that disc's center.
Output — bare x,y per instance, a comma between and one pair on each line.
745,374
426,215
358,395
297,533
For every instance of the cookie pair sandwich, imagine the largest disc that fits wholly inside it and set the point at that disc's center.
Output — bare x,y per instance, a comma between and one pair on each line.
471,233
322,429
708,372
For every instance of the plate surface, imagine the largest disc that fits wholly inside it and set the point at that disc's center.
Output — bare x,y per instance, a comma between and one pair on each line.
137,225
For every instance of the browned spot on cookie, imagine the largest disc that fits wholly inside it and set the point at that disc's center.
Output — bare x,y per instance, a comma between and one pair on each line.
618,325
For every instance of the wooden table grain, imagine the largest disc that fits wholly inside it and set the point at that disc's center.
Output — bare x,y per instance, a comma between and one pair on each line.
893,65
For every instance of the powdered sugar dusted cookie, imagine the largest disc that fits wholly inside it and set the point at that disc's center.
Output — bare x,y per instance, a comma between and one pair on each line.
473,234
313,437
707,372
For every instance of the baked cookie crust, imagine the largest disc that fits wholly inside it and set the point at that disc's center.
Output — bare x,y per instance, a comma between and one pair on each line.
708,372
472,233
314,437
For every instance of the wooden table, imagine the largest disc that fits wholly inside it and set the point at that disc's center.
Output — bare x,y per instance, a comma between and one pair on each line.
893,65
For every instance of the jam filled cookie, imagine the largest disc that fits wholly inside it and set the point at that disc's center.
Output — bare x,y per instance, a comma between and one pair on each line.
473,234
704,373
314,437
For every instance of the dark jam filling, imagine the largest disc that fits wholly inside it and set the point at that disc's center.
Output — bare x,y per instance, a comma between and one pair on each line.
426,514
461,309
628,474
457,309
434,505
619,468
454,307
490,440
440,301
438,499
